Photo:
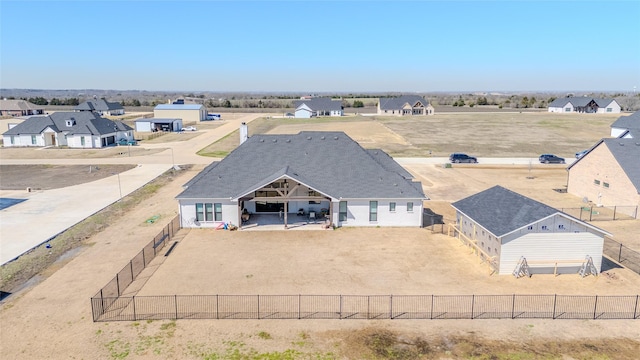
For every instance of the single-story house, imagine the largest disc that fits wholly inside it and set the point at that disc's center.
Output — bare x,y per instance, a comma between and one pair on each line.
507,227
72,129
609,174
404,105
326,174
102,107
627,126
187,112
19,108
158,124
583,104
319,106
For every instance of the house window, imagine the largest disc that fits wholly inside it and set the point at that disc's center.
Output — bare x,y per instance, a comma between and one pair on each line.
409,207
199,211
568,109
560,227
606,184
208,212
82,140
13,141
342,214
544,227
609,109
530,227
392,207
33,139
218,211
373,211
596,182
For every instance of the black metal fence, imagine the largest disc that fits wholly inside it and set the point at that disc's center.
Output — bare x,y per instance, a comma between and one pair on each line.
603,213
365,307
114,288
622,254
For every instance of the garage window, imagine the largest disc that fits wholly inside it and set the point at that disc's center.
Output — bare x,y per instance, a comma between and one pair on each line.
409,207
373,211
392,207
596,182
342,214
606,184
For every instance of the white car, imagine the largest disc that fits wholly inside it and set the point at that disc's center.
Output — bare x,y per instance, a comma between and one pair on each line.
189,128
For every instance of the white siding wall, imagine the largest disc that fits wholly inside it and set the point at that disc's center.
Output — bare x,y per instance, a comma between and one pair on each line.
358,213
303,114
143,126
551,247
187,210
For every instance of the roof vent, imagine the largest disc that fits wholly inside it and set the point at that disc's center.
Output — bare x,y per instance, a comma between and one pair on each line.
288,140
321,137
261,140
638,144
275,140
621,144
308,137
335,138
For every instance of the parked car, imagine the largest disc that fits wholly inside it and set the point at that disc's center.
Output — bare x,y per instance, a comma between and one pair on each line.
462,158
581,154
189,128
550,159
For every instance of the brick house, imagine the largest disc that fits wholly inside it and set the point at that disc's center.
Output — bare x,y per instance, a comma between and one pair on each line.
609,174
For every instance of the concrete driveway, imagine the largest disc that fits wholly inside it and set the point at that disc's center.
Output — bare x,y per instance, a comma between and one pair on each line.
45,214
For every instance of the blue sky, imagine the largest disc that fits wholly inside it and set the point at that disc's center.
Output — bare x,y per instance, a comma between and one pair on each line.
341,46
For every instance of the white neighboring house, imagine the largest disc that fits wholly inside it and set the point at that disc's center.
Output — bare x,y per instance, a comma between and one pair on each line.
189,113
507,226
102,107
584,104
320,106
72,129
157,124
405,105
626,126
322,172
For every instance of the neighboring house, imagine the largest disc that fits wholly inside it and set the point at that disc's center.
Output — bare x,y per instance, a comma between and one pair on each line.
307,108
609,174
157,124
323,172
19,108
507,226
102,107
627,126
72,129
187,112
584,104
404,105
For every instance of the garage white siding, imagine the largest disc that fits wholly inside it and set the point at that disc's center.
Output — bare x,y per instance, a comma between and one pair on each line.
143,126
551,247
358,212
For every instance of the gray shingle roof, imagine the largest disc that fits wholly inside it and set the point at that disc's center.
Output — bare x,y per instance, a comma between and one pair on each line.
627,154
395,103
579,101
84,123
98,105
502,211
320,104
628,122
329,162
18,105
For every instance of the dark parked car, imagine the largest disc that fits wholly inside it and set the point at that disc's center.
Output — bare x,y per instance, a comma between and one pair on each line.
462,158
550,159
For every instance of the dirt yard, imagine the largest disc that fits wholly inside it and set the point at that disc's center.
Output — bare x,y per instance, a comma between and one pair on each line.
51,317
46,177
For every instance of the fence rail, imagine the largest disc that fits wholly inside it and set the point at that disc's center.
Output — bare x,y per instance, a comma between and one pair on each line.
622,254
114,288
365,307
603,213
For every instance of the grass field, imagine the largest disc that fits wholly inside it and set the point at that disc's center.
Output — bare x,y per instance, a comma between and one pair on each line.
526,134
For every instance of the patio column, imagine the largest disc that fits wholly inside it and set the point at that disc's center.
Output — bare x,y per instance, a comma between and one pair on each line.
286,203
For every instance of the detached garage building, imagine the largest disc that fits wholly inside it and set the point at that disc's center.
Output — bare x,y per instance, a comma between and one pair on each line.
507,227
157,124
187,112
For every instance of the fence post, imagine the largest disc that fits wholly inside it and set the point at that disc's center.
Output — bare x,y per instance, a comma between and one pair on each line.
580,214
144,261
635,308
340,313
368,305
258,297
614,211
431,316
620,254
299,306
513,306
134,308
175,302
118,283
391,307
555,296
473,303
102,302
217,308
595,308
591,213
131,266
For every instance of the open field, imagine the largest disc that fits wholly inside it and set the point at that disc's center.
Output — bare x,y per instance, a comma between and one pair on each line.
526,134
52,317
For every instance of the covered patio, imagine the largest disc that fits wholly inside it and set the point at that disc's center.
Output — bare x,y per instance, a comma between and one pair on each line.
261,222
